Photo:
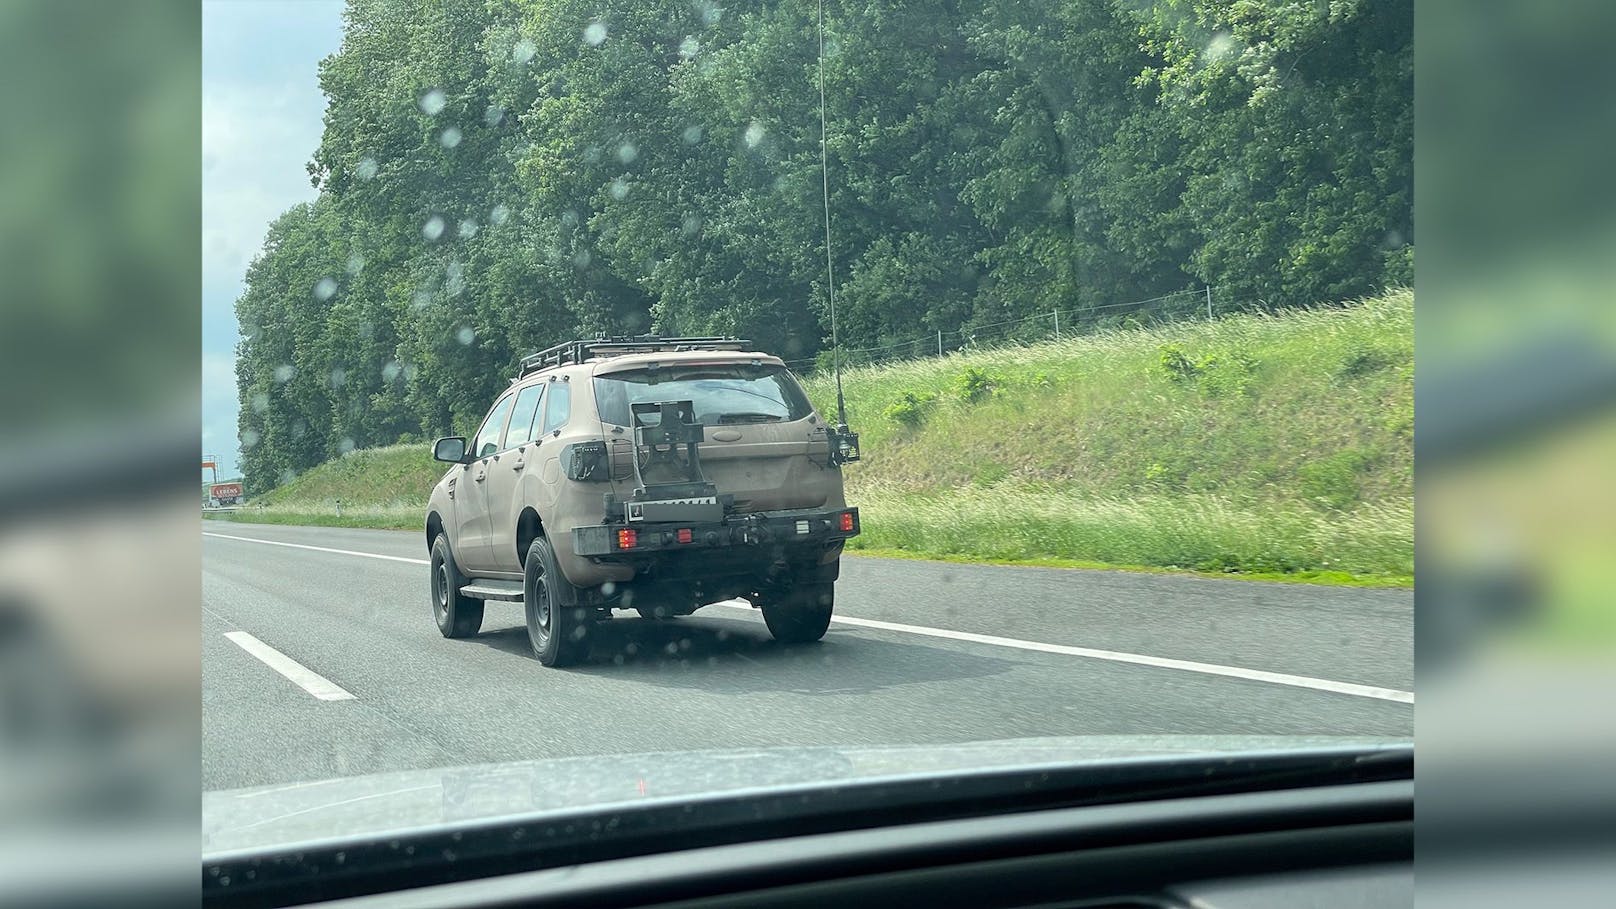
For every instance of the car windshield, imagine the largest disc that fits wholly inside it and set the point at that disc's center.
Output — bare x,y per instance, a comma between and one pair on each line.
718,394
1055,361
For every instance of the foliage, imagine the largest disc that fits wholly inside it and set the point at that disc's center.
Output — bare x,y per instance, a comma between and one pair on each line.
499,175
910,408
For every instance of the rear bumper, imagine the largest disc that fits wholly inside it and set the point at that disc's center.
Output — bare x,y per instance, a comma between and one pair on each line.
798,527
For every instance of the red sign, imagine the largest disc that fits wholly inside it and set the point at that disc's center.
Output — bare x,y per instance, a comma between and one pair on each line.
225,490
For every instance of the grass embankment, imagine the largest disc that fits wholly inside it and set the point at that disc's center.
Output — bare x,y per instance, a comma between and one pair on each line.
1263,446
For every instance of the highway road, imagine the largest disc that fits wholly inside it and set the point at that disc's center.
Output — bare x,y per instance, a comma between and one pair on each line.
320,659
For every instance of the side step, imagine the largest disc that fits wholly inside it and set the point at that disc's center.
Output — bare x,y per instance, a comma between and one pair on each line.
510,591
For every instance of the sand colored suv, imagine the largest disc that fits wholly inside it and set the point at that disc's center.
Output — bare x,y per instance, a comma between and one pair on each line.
651,474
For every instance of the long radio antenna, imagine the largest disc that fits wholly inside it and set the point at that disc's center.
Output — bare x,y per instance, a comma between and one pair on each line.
830,275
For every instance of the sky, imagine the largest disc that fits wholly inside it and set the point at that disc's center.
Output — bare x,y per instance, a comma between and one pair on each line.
261,121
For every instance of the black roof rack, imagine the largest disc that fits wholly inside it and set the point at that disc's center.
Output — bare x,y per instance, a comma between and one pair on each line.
579,351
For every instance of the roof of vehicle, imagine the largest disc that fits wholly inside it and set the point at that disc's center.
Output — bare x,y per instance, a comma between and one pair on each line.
602,356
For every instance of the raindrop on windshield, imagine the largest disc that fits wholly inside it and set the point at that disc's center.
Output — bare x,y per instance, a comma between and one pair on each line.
754,134
595,33
523,50
689,47
467,228
494,115
465,335
287,476
433,101
569,218
339,377
260,402
710,12
582,259
692,135
1221,46
346,445
433,228
592,154
391,371
325,288
449,138
619,189
690,225
365,169
454,279
498,215
356,264
627,152
249,438
285,372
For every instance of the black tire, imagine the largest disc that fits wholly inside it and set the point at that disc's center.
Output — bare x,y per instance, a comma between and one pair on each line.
458,616
559,633
802,615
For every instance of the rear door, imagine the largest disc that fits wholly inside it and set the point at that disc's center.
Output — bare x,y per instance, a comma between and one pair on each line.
472,550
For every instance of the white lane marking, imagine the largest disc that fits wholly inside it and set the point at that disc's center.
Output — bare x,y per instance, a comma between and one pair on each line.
300,675
366,555
1115,656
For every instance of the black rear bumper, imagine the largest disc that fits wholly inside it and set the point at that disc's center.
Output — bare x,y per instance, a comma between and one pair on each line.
801,527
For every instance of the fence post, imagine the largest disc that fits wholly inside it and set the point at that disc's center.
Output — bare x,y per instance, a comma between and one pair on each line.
1057,324
1209,302
939,342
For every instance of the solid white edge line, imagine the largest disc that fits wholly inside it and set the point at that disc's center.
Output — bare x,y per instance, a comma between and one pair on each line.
1255,675
1115,656
300,675
350,552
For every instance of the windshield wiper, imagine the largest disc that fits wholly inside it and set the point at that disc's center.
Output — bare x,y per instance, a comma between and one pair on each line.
749,417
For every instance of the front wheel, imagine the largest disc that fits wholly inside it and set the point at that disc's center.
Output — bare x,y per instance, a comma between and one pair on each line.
457,615
559,633
801,616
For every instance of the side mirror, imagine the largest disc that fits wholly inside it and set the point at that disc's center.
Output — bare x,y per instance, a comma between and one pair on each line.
451,449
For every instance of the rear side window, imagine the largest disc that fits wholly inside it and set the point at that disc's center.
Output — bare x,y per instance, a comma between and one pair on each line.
524,418
737,393
557,407
488,437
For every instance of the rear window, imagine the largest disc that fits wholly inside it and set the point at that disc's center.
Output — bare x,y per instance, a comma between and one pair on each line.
721,394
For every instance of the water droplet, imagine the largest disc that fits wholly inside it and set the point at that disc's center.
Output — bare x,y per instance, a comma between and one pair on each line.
689,47
581,259
465,335
569,218
467,228
494,115
499,214
346,445
449,138
365,169
356,264
287,476
592,154
325,288
454,279
619,189
260,402
692,135
421,299
754,134
627,152
690,225
710,12
595,33
523,50
285,372
249,438
339,377
409,372
433,101
1221,46
433,228
391,371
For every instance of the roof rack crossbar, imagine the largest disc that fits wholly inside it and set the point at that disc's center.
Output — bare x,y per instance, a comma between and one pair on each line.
580,351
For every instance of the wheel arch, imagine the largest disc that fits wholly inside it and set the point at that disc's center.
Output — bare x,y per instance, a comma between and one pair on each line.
434,526
529,526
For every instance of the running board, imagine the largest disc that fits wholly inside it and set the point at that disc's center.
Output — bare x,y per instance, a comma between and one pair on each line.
510,591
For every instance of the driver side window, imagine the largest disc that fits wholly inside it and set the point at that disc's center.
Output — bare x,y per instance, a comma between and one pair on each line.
488,437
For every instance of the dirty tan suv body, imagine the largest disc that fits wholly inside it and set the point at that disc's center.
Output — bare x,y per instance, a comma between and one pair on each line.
515,486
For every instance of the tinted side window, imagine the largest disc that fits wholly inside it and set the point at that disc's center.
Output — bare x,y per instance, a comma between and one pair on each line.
557,406
522,426
488,437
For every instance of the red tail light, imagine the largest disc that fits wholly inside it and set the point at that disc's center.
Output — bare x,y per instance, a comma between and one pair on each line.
627,538
847,522
685,535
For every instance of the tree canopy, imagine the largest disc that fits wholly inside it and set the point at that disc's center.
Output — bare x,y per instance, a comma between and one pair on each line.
499,175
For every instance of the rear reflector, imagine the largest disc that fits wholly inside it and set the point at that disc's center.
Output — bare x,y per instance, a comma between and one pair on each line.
802,527
847,522
685,535
627,538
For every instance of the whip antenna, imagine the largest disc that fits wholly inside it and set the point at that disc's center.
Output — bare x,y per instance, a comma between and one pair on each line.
830,276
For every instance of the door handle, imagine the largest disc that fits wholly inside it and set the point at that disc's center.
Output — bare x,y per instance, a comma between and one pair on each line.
518,465
481,475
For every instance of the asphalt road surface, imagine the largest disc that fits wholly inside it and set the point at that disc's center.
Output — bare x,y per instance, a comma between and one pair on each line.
320,659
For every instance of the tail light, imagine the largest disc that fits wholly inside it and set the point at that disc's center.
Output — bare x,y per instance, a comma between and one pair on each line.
627,538
685,535
847,522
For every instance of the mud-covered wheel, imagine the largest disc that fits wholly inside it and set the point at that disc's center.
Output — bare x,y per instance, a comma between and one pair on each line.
802,615
559,633
457,615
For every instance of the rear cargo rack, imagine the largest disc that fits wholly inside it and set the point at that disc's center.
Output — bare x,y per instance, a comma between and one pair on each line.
580,351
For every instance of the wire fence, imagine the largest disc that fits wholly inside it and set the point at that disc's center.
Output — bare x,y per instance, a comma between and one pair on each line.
1202,304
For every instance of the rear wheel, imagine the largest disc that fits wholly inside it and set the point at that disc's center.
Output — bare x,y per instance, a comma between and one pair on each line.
802,615
559,633
458,616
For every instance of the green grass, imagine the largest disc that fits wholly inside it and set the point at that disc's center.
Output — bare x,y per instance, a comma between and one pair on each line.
1271,447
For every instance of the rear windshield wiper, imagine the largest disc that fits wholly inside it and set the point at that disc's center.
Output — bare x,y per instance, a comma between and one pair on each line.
748,417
